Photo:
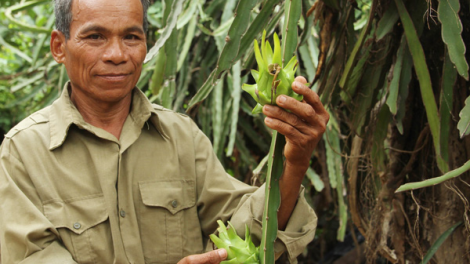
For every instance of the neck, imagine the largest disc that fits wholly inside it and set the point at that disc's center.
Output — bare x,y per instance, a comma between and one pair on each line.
109,116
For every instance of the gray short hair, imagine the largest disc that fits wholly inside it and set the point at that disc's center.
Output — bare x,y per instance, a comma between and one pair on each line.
63,15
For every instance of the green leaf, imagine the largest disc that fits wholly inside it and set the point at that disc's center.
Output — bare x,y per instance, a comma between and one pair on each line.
42,39
30,95
258,25
394,87
307,24
235,33
448,14
350,86
25,83
405,78
387,22
188,14
439,242
464,122
357,47
170,25
331,159
335,172
188,39
434,181
236,95
204,91
158,75
226,21
23,6
315,180
222,29
380,134
293,11
363,102
424,79
449,76
217,115
307,62
252,134
15,50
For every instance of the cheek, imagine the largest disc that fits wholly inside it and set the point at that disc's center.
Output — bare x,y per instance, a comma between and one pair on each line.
140,53
138,57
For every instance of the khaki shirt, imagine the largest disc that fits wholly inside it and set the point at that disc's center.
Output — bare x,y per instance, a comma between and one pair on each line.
73,193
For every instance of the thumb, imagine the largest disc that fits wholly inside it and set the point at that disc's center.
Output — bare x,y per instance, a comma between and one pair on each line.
211,257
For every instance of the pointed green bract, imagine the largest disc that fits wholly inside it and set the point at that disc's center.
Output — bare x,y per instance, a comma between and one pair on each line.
277,57
238,250
272,79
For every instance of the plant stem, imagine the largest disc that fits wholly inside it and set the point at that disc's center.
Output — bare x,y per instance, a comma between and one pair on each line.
272,198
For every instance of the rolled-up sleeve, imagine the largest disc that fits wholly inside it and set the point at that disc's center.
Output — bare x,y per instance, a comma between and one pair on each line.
26,236
223,197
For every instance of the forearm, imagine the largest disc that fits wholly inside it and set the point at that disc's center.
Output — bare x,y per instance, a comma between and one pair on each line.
289,183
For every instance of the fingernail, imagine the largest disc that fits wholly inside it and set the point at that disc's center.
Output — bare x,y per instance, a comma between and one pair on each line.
222,253
282,99
297,84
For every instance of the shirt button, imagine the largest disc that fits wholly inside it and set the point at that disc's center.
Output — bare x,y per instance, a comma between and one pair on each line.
174,203
122,213
77,225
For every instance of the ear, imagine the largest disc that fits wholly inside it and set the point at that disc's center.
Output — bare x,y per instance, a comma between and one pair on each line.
58,46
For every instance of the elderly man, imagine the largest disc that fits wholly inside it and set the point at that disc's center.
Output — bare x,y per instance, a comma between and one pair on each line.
103,176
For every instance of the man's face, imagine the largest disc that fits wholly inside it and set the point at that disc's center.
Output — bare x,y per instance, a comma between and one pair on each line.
106,49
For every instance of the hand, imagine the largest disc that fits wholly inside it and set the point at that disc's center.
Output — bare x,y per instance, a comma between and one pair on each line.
211,257
303,126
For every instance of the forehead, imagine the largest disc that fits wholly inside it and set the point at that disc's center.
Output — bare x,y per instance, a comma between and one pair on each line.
105,10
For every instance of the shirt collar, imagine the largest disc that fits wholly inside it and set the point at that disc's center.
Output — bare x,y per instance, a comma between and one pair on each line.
64,113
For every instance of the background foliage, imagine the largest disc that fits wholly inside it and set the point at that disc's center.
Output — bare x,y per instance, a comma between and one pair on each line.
393,74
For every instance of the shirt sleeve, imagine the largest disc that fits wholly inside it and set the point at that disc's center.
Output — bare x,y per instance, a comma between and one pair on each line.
222,197
26,235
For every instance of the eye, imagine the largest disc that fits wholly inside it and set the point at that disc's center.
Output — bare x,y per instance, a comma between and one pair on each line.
131,37
94,36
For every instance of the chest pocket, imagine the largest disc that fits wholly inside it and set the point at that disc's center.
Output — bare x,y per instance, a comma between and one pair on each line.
161,218
81,226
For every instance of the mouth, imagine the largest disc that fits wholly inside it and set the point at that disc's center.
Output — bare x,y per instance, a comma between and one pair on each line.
114,77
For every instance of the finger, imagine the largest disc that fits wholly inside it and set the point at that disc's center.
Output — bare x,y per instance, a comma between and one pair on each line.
300,79
285,129
301,110
310,96
211,257
301,122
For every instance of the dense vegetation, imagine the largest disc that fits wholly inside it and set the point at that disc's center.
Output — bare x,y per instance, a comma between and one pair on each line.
393,74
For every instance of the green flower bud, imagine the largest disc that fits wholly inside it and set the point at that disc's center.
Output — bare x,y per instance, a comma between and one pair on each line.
272,79
238,250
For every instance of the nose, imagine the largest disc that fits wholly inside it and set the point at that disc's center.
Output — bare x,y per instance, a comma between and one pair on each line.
115,52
